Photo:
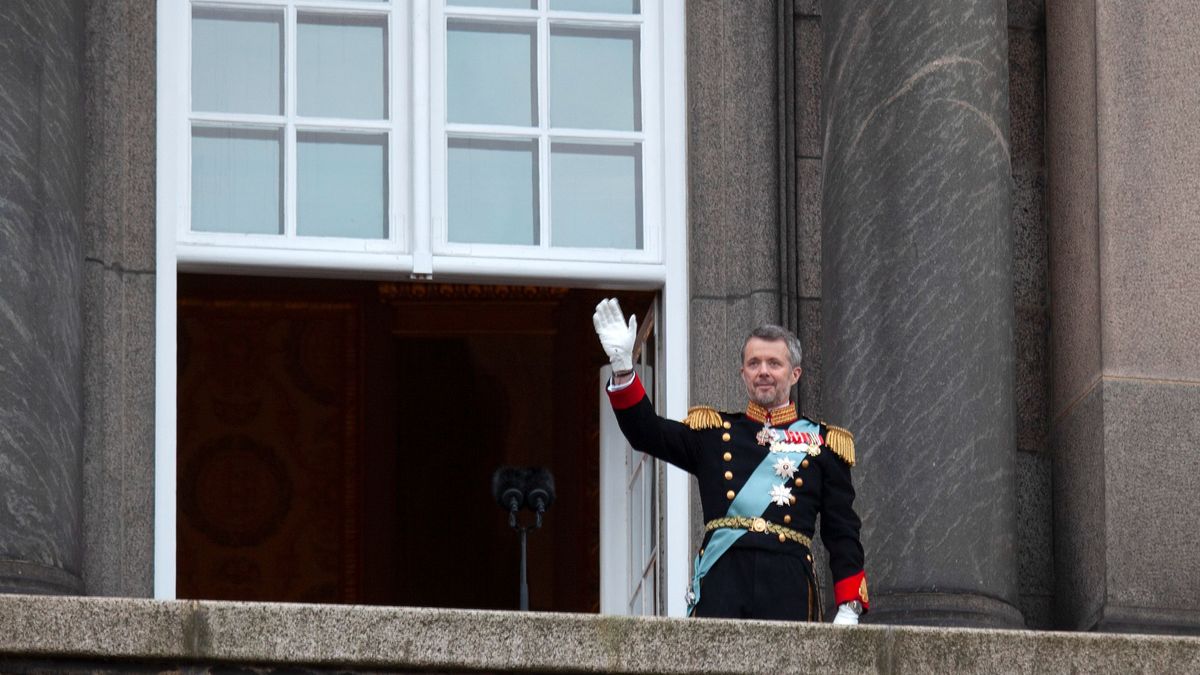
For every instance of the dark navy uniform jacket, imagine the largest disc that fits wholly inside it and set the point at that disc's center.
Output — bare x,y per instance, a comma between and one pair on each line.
722,459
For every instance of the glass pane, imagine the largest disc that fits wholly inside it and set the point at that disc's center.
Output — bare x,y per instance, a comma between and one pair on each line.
596,195
637,525
490,71
492,192
502,4
237,62
341,186
595,80
606,6
341,66
236,180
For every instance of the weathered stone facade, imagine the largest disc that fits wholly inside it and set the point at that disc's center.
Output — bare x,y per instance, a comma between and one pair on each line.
1085,453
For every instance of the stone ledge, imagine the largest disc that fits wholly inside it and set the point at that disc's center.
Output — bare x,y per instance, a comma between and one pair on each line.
135,632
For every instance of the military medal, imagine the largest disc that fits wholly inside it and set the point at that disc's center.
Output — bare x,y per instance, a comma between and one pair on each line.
785,467
767,436
802,437
803,441
781,495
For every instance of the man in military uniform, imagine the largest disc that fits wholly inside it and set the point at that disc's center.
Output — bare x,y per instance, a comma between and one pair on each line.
764,475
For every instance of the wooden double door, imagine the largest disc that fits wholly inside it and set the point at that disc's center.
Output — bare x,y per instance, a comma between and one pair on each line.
336,441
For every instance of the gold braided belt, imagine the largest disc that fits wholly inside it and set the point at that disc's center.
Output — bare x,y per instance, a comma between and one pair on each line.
758,525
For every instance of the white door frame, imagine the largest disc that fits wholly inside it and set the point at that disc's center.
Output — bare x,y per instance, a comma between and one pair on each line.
172,179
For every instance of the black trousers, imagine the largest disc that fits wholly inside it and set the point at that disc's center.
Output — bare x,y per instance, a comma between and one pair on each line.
747,583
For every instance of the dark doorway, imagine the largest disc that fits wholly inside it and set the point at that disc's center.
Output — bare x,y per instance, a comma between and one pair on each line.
337,440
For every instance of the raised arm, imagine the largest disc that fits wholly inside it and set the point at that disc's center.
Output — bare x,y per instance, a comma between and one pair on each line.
665,439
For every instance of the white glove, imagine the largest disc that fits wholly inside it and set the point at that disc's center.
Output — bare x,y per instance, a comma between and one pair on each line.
845,616
615,335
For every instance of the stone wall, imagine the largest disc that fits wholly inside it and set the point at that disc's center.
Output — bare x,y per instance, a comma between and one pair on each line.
1124,150
1035,545
733,187
755,238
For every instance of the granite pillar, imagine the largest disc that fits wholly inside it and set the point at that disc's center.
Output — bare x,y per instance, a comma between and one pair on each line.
1124,199
917,303
118,298
41,386
733,187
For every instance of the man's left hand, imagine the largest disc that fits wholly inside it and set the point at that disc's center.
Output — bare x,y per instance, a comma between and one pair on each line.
845,616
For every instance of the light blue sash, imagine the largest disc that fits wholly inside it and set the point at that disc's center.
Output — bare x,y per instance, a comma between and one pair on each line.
751,501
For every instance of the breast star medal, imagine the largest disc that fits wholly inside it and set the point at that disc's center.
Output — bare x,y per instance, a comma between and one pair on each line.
785,467
781,495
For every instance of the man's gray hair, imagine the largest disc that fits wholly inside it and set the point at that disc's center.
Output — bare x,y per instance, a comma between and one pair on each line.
773,333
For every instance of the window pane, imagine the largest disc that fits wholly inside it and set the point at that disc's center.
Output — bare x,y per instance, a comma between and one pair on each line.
236,180
502,4
341,66
607,6
492,192
236,62
594,78
596,195
341,185
491,70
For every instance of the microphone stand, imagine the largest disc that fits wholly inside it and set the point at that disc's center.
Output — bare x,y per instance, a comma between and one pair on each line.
523,532
524,580
512,487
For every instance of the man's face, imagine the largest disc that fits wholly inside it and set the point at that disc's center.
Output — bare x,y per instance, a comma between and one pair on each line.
768,372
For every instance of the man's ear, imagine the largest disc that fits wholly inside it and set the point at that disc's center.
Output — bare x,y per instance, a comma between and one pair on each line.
796,374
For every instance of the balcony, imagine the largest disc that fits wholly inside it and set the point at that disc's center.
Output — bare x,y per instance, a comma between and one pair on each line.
69,634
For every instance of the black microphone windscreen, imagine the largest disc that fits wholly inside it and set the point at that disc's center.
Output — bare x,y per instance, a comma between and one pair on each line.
540,486
508,483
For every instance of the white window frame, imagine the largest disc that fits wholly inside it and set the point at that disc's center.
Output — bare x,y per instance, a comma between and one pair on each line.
213,248
417,244
411,254
648,22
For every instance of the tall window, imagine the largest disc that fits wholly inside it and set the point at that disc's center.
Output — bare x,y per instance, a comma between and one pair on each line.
493,141
455,136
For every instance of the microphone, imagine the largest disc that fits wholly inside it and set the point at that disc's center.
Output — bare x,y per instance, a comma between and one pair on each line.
539,491
508,488
513,486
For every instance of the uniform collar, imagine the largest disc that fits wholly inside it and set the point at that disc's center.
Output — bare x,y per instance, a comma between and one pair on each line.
784,414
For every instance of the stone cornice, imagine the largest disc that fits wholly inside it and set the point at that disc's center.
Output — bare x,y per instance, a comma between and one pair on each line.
52,631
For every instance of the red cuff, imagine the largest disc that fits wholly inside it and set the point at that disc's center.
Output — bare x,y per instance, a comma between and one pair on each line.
629,396
852,588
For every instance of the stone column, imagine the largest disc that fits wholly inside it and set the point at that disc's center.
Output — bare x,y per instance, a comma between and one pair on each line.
118,298
917,300
41,380
1123,149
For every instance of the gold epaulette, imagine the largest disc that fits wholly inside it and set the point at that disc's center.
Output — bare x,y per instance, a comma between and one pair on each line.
703,417
841,442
